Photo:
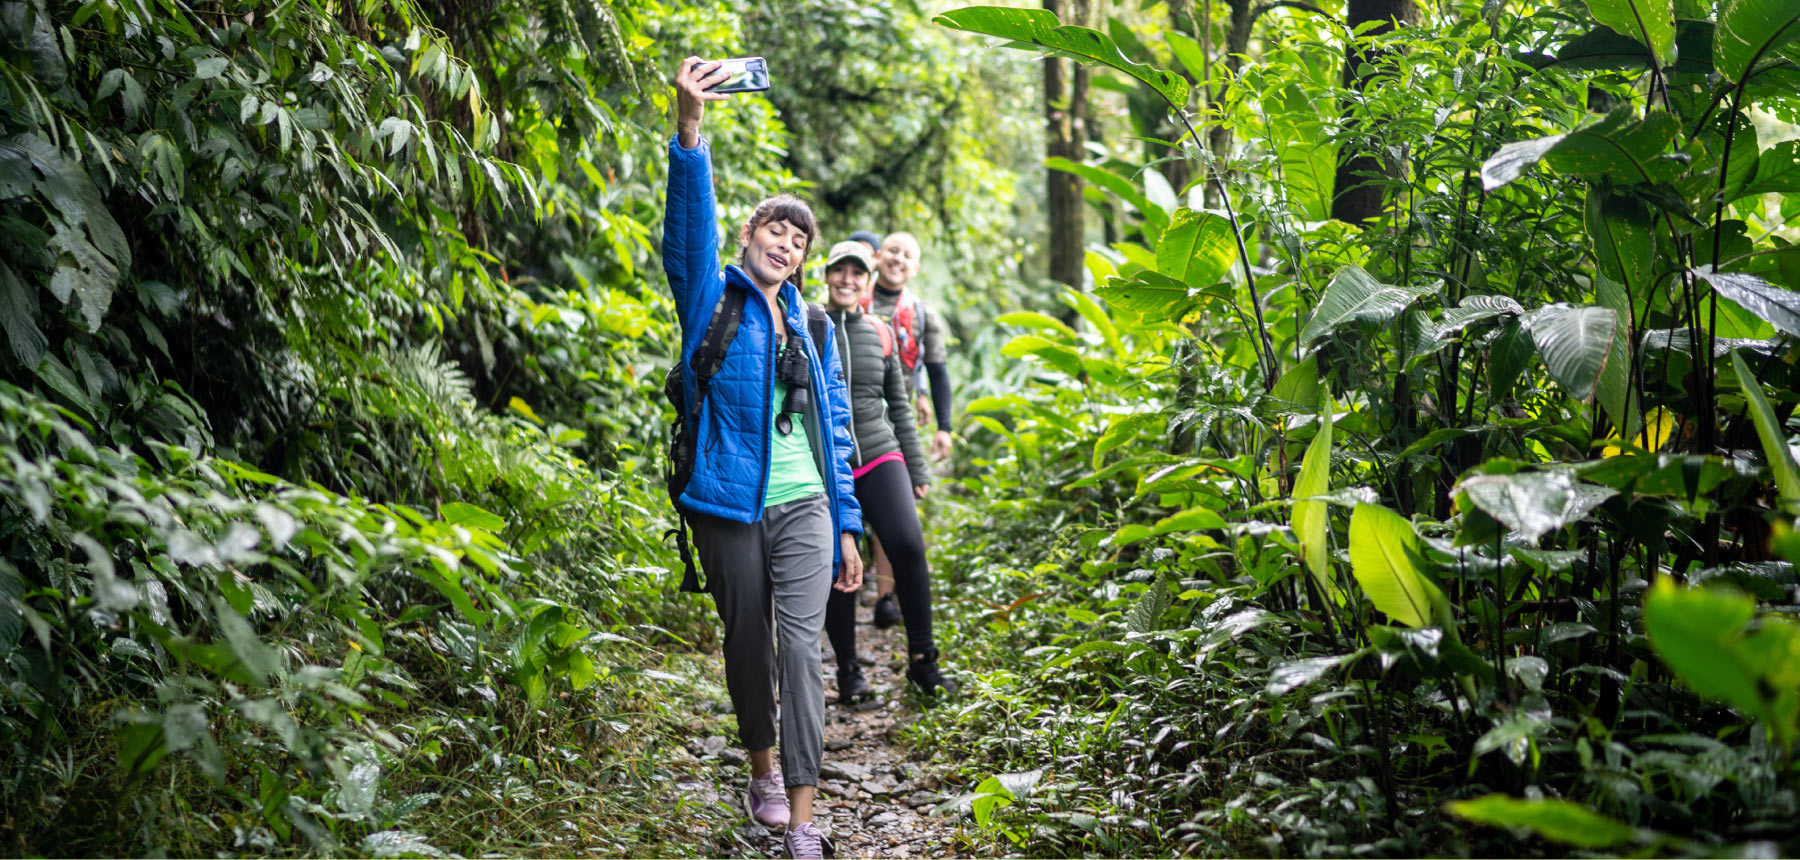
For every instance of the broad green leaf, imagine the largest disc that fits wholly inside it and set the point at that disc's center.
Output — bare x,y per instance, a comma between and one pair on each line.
1624,240
1033,319
1123,431
1091,311
1777,171
1622,147
1614,391
1155,296
1147,614
1575,343
1472,310
1383,554
1291,676
1508,355
1651,22
1192,519
1701,634
1312,519
210,67
470,516
1040,28
1781,308
1156,218
1188,52
1769,432
1599,48
1355,295
1197,248
1532,503
1558,820
1750,32
18,316
1054,354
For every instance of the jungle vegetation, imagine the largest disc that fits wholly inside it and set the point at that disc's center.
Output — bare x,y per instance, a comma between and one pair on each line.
1376,417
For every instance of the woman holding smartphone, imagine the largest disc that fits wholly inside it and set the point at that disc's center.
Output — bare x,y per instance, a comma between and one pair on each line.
770,497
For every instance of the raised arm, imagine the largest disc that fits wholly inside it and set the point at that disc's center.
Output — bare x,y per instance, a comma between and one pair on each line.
690,248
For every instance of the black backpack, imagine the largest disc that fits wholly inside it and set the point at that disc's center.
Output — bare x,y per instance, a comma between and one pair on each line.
708,357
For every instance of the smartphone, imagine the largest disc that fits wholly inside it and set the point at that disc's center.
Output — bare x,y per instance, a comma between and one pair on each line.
748,75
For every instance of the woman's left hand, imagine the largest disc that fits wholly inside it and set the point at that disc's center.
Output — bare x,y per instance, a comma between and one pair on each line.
850,575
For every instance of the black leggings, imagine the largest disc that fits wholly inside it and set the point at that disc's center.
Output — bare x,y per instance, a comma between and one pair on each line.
885,493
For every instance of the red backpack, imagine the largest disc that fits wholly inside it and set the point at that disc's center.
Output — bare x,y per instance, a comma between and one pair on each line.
908,315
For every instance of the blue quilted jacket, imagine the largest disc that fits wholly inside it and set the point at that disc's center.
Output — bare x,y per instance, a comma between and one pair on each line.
731,466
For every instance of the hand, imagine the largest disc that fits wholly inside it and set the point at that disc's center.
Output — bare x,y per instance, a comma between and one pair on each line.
919,490
691,81
940,445
850,574
922,411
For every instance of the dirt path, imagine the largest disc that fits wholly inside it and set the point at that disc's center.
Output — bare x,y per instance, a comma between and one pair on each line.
875,794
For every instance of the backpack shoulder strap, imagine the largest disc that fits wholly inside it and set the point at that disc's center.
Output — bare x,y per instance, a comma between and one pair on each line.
816,323
720,331
883,331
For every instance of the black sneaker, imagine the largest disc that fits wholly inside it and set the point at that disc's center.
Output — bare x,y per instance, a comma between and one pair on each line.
852,687
887,611
925,674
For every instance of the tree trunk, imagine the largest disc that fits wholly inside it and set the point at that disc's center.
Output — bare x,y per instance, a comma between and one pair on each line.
1356,193
1065,102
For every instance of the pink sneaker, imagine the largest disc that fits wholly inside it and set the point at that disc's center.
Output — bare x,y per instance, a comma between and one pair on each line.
766,800
805,841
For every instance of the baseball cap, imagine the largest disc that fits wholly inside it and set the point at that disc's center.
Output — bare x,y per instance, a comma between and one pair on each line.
867,237
850,249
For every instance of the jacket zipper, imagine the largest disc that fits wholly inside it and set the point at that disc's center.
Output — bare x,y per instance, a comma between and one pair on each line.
845,362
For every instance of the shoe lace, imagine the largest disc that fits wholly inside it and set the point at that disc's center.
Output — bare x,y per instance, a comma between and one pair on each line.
806,841
770,787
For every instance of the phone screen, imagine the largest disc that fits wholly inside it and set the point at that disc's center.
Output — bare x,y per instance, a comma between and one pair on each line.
748,74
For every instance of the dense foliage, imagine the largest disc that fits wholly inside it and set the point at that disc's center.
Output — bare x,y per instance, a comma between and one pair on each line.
329,495
1479,513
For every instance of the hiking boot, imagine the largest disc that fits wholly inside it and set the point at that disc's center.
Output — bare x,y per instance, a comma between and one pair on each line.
887,611
852,687
766,800
924,673
805,840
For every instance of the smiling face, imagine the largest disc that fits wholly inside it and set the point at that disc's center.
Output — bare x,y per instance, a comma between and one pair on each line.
898,261
845,283
772,252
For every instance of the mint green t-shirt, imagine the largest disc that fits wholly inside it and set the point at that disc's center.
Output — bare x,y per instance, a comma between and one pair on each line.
793,473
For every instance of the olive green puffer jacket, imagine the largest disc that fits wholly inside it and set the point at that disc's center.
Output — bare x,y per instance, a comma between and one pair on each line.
881,412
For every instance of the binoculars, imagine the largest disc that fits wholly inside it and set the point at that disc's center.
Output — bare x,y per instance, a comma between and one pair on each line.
791,368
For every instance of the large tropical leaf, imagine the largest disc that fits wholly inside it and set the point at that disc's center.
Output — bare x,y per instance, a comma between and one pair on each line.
1557,820
1156,218
1769,432
1651,22
1700,634
1383,556
1575,343
1154,295
1622,147
1532,503
1624,240
1781,308
1042,29
1197,248
1355,295
1312,518
1750,32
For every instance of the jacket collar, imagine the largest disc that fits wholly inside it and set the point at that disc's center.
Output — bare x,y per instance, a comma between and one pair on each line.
790,295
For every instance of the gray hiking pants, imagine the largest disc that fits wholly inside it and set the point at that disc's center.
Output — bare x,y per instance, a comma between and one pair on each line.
770,579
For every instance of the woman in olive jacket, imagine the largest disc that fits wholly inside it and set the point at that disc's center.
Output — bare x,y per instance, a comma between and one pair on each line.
889,468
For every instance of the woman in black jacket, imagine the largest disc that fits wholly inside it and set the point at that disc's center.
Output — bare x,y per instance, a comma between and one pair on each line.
889,467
